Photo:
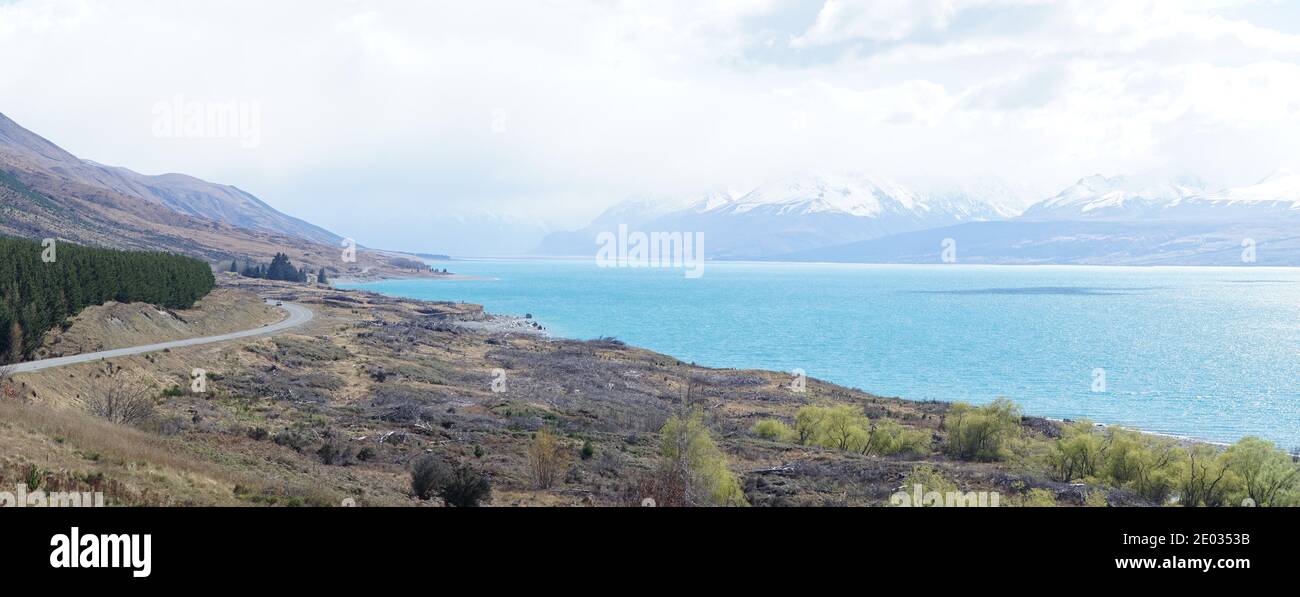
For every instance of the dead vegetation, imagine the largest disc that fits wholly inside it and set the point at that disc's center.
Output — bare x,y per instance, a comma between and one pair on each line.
122,402
377,389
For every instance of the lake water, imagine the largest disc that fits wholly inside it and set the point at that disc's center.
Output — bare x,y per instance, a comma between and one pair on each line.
1211,353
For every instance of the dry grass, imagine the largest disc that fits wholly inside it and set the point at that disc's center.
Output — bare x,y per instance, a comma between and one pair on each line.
161,463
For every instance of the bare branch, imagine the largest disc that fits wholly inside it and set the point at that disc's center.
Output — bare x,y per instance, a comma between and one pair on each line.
121,403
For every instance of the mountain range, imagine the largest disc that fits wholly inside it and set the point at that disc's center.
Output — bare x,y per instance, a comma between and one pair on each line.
1098,220
805,212
46,192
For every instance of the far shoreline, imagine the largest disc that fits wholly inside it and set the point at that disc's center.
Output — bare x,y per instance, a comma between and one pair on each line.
886,264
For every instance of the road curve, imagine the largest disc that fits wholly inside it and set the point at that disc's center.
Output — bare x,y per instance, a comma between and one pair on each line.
298,315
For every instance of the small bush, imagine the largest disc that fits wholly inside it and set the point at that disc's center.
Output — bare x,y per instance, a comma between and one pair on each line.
1097,498
773,429
328,453
930,479
545,458
692,469
587,450
1150,466
428,475
1077,454
32,476
461,486
845,427
466,488
982,433
1269,476
121,403
1038,498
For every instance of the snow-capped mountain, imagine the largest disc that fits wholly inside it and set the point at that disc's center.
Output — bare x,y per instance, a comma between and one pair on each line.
1007,200
1181,200
1114,221
863,196
1099,197
788,215
1280,191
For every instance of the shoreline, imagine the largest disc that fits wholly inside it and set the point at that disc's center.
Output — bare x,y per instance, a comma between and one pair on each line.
498,323
383,278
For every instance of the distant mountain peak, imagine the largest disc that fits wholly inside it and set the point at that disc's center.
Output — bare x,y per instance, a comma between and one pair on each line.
851,194
1282,186
1115,197
802,211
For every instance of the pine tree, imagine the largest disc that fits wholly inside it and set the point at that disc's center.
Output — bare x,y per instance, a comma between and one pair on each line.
320,277
36,296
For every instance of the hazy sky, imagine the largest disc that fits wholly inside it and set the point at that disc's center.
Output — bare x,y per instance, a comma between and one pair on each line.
382,120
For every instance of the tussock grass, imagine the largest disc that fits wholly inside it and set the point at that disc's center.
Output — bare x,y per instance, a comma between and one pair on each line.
165,460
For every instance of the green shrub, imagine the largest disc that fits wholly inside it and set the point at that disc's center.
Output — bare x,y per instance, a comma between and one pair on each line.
1270,476
1206,479
689,455
982,433
773,429
930,479
845,427
887,437
1077,454
1150,466
1037,498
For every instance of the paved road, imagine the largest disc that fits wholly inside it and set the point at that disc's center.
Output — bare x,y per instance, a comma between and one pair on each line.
298,315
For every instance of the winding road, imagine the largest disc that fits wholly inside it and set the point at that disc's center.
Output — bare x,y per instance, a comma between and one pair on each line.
298,315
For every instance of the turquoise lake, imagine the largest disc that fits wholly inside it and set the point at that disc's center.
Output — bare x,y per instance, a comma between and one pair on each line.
1209,353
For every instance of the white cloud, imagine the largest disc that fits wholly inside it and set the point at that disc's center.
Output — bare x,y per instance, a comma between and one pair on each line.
382,118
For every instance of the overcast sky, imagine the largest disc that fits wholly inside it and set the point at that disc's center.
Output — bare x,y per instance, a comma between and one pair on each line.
381,119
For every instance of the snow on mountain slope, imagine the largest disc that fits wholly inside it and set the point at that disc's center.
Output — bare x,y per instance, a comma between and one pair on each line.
856,196
1283,187
1119,198
1182,200
799,213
